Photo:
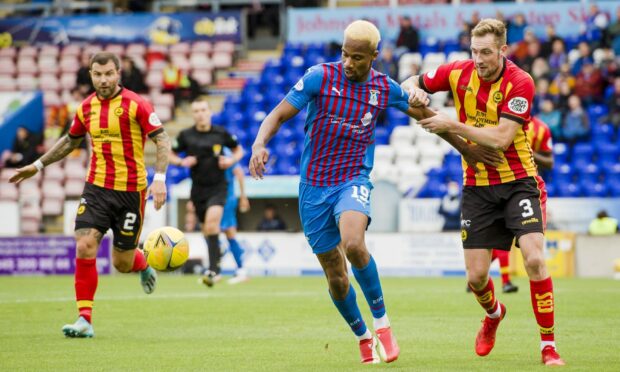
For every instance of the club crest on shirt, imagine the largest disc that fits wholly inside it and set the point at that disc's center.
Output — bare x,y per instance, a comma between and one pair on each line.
118,111
498,97
374,97
217,149
300,85
367,119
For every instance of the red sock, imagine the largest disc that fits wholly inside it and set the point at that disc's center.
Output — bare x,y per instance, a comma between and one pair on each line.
486,297
504,264
543,305
139,262
85,285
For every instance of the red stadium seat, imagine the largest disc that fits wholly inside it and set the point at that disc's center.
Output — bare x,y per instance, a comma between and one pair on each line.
71,50
10,52
180,48
27,82
8,191
27,51
52,207
89,50
7,66
164,100
49,50
117,49
7,83
53,173
51,98
49,82
203,76
224,46
154,79
202,47
200,61
73,188
222,59
68,80
74,170
30,226
69,64
26,65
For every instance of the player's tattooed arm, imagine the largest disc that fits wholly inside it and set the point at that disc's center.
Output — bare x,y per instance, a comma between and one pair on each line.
162,141
62,148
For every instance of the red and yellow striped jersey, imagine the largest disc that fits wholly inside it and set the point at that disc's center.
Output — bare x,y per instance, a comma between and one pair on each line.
539,135
118,127
482,104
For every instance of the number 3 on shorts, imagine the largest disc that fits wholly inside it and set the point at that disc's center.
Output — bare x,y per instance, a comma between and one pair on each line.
361,194
526,204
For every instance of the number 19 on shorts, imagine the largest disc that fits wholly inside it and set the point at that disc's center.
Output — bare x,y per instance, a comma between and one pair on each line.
361,194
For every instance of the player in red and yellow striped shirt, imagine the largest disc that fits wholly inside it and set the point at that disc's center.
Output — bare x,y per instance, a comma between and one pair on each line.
539,138
493,99
118,121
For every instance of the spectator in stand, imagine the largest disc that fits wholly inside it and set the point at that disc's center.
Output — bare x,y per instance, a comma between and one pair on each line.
562,76
516,29
558,56
609,67
576,123
550,115
589,84
613,34
131,76
464,38
613,103
585,56
172,79
25,150
475,19
542,93
595,26
547,46
450,207
540,70
386,63
83,81
527,51
271,221
562,98
408,38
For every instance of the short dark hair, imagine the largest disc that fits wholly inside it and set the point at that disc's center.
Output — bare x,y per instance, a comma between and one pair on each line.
104,57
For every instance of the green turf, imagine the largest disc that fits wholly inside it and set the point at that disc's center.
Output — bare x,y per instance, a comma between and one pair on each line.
290,324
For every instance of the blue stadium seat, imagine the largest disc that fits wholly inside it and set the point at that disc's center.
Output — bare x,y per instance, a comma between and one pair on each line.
602,133
589,173
567,189
551,189
437,175
560,153
396,117
563,174
596,112
382,136
608,155
593,189
433,189
582,155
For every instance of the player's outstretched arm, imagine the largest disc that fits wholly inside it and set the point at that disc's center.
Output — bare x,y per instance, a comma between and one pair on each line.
268,128
61,148
158,187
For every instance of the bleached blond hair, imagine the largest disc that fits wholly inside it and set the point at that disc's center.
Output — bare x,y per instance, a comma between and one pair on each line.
363,31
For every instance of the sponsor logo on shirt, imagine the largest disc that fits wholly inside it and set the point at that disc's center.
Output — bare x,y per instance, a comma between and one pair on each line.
300,85
518,105
154,120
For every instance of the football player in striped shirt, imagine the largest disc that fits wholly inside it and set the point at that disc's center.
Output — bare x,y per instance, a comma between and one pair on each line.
493,99
117,121
344,100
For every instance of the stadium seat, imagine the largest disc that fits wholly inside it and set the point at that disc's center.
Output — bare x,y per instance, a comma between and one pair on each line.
71,50
411,179
180,48
49,50
164,113
51,99
406,155
53,173
52,207
68,80
200,61
74,188
560,153
457,56
9,52
7,83
135,49
224,46
201,47
593,189
563,174
402,135
203,76
27,66
8,192
385,154
49,82
582,155
7,66
27,51
386,172
608,155
567,189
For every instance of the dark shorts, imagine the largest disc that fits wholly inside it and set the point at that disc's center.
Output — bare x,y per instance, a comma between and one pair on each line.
205,197
492,216
121,211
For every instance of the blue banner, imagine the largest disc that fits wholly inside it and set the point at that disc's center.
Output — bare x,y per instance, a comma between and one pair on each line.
441,22
125,28
23,109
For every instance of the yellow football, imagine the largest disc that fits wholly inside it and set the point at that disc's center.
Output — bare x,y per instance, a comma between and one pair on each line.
166,249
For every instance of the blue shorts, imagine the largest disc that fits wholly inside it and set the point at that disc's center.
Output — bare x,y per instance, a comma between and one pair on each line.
229,218
320,209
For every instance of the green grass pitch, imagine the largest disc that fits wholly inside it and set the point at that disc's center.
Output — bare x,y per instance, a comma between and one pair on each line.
290,324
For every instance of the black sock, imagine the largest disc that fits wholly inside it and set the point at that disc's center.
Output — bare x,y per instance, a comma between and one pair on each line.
213,245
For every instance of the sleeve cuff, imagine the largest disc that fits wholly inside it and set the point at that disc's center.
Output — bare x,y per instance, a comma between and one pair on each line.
518,119
155,132
422,85
75,135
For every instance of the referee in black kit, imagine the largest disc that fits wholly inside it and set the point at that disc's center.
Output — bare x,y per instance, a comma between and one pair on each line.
203,144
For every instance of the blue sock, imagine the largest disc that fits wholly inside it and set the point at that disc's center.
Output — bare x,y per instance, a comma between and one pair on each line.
368,279
351,312
235,249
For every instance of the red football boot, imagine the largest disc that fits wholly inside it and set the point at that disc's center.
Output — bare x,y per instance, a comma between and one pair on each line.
368,351
388,347
485,340
550,357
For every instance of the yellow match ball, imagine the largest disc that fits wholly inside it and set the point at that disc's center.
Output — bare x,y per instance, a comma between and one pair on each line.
166,249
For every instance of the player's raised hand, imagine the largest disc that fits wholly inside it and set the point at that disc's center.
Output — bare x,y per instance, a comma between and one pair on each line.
158,190
189,161
225,162
482,154
418,98
260,156
23,173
